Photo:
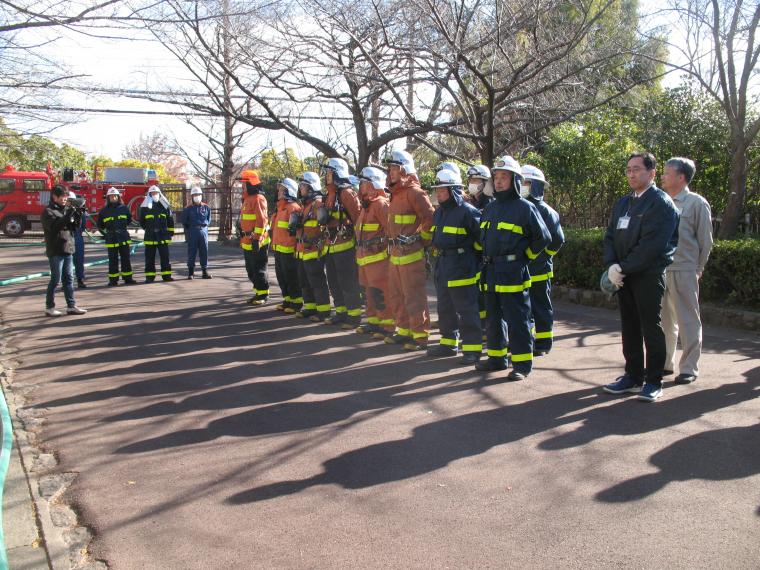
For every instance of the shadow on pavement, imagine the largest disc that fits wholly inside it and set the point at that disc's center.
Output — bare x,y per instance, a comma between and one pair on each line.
716,455
433,445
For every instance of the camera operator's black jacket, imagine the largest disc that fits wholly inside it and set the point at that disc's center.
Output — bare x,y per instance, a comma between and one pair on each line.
59,223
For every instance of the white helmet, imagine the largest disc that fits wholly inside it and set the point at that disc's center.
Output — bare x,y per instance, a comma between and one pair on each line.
154,188
312,179
530,172
446,178
374,175
403,159
112,192
508,163
447,166
338,166
291,188
479,171
354,181
195,190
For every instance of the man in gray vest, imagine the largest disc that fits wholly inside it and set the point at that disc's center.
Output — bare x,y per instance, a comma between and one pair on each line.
680,304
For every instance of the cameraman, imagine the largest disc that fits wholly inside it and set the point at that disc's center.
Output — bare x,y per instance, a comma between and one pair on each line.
59,220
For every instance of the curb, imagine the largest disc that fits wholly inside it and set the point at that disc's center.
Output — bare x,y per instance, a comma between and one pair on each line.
65,541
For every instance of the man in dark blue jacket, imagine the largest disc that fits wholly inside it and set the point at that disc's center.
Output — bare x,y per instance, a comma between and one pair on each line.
639,244
511,233
195,218
542,268
456,229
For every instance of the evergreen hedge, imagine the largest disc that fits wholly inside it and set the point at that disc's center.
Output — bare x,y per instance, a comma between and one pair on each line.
732,276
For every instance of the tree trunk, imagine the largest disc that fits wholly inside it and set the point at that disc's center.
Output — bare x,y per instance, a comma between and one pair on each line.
228,150
737,190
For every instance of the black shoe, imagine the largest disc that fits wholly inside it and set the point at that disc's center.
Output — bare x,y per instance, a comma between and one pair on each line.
685,379
150,279
130,281
441,351
191,276
540,352
80,284
667,373
515,376
168,278
491,364
206,275
113,283
470,358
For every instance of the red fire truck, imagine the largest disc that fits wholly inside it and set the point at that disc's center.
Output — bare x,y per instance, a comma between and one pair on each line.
24,195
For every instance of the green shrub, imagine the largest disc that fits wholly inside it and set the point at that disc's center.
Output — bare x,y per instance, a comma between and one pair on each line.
579,262
732,275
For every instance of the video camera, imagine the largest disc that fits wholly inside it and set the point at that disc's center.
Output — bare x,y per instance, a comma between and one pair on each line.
76,203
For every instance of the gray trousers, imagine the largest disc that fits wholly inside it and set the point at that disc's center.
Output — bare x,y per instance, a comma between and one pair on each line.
680,319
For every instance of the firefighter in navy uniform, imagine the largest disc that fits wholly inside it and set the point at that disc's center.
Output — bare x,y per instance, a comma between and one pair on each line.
541,268
311,247
342,204
480,194
113,223
158,222
456,230
511,233
195,219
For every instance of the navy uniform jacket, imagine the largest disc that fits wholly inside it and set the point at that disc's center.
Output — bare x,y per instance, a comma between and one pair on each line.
511,233
196,216
113,221
649,241
158,224
542,268
456,229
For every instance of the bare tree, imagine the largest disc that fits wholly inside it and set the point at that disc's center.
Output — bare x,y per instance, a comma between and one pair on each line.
155,147
514,67
721,50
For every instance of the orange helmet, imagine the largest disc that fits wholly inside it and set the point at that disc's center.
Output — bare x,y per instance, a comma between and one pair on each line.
250,176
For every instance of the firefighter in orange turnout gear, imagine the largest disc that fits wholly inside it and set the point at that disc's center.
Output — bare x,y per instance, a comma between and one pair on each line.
310,249
343,206
410,216
254,236
284,246
372,253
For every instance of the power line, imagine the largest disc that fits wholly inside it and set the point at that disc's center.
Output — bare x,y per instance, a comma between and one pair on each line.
63,109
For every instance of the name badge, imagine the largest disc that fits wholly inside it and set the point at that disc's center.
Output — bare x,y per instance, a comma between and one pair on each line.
623,222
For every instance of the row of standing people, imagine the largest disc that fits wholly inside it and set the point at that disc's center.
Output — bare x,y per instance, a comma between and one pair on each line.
157,220
491,247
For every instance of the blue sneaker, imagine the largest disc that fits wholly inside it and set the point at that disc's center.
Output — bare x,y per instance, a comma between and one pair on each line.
623,385
650,392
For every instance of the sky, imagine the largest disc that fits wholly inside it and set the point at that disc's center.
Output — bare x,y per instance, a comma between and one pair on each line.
140,63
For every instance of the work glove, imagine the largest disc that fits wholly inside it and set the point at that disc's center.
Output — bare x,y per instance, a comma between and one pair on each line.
615,273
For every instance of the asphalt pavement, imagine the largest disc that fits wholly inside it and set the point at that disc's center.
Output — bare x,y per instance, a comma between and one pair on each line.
209,434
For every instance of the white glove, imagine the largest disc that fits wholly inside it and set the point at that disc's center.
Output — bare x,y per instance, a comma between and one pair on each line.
615,273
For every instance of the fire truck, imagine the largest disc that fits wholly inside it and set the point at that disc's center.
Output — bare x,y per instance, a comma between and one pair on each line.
24,195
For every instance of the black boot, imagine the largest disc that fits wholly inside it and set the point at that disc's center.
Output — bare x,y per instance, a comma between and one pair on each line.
80,284
206,275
